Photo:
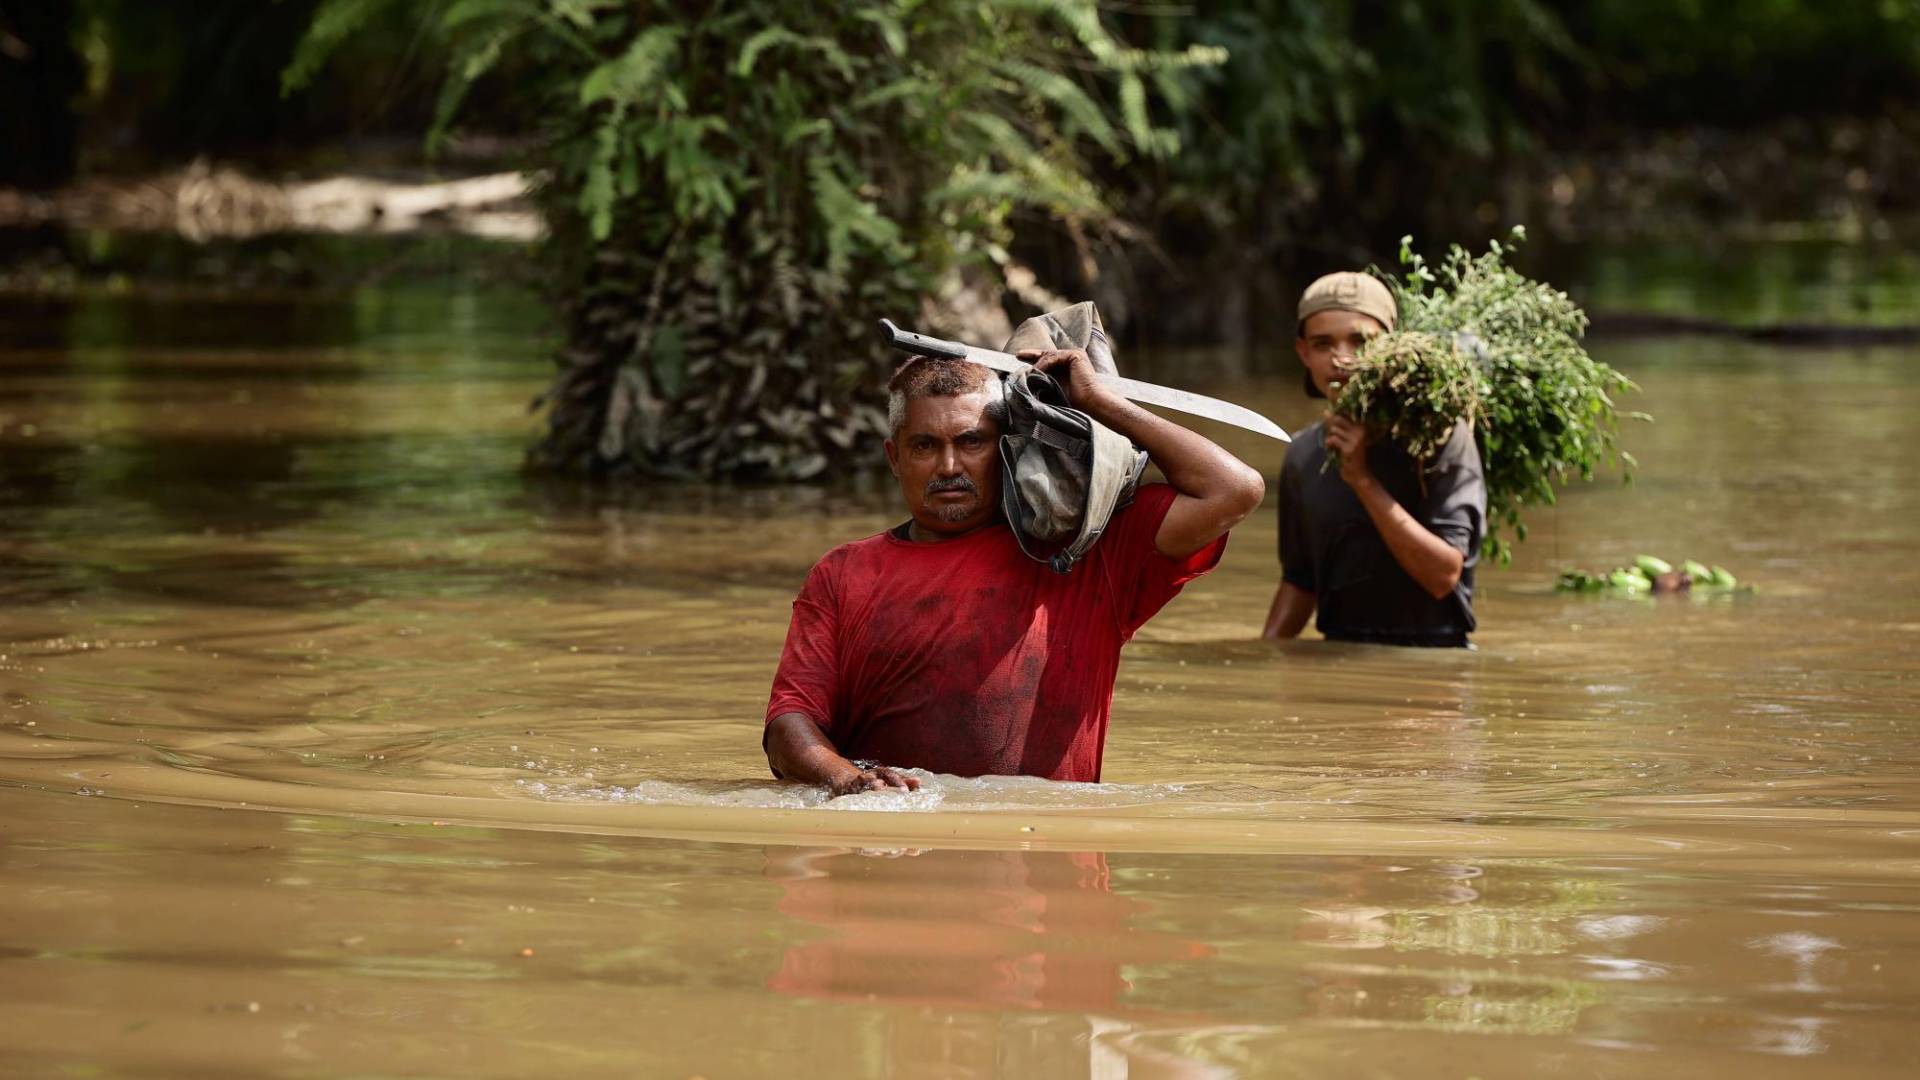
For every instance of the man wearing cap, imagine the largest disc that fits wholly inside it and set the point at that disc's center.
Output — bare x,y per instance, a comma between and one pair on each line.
1384,546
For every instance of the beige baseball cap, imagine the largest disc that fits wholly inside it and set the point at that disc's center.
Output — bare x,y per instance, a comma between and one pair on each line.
1350,291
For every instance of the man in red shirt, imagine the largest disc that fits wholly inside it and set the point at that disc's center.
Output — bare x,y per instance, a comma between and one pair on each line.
940,645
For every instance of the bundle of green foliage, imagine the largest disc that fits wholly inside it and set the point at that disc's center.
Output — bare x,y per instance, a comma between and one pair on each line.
1479,341
1411,387
735,191
1650,574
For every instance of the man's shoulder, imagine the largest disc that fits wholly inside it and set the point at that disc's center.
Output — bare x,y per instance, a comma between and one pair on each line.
1461,450
1308,448
866,549
1152,497
886,549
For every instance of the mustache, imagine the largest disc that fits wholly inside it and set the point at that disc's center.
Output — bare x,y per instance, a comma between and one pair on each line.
953,483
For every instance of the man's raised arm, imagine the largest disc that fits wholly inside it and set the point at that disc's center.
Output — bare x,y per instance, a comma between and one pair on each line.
1215,489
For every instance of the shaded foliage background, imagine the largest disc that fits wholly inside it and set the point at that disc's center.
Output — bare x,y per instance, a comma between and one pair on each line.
735,189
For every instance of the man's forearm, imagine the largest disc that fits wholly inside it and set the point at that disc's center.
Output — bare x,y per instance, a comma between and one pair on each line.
798,750
1193,464
1216,491
1292,607
1432,562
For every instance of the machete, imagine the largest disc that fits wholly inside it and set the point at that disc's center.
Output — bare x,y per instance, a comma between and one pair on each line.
1180,400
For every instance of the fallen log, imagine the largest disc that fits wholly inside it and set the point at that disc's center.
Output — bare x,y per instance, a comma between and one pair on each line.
204,202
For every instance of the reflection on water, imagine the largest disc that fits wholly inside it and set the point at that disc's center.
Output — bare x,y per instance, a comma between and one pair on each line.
987,929
977,943
353,945
277,556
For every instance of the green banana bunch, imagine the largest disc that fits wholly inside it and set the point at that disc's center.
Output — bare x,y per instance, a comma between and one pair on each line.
1650,574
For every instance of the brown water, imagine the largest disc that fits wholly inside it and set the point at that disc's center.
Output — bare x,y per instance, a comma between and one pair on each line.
330,746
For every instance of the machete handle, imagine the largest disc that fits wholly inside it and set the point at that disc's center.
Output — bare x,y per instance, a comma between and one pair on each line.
908,341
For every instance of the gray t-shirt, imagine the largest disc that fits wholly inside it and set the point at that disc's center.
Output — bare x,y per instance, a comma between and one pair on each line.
1329,546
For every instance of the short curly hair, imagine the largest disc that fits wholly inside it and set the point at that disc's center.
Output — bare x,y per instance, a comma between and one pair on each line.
939,376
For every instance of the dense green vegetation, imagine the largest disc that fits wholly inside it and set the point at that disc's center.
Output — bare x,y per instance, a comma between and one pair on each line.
1738,62
737,188
735,197
126,86
1349,109
1309,81
1337,126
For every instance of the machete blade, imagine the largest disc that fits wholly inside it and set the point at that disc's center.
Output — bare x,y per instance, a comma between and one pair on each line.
1167,397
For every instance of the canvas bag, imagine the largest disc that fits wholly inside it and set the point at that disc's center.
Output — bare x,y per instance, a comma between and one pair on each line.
1064,473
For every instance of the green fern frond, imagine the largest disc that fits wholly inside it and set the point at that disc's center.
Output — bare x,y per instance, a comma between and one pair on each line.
1545,25
1001,137
1062,191
581,13
1150,60
899,88
474,63
1133,110
1043,183
1080,17
772,36
891,30
969,185
806,129
625,79
1084,115
460,13
333,23
599,183
847,216
759,43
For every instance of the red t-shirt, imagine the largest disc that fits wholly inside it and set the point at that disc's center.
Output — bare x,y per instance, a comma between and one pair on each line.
965,656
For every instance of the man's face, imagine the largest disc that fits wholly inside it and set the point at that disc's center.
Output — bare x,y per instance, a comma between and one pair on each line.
1330,337
947,457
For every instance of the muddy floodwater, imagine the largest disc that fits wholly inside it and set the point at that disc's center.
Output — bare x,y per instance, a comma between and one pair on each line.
331,746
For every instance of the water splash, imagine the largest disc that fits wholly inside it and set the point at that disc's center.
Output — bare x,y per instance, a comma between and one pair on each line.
937,791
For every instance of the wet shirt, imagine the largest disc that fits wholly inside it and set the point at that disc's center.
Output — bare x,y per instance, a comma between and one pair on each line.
1329,546
965,656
